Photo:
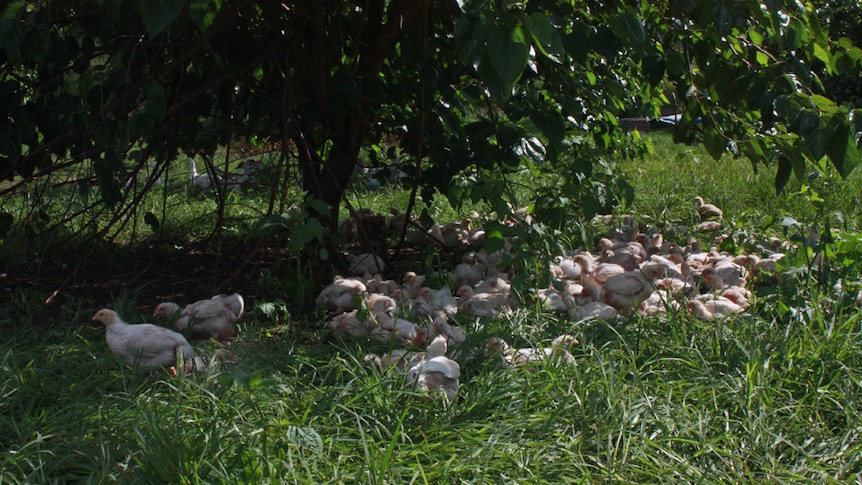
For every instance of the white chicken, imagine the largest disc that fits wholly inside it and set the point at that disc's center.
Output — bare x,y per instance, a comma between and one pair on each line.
396,359
482,304
201,181
347,324
707,211
146,347
713,308
411,283
380,303
566,268
529,357
593,309
404,331
551,299
376,284
338,295
433,303
625,291
454,335
235,303
469,271
436,371
593,274
208,318
363,263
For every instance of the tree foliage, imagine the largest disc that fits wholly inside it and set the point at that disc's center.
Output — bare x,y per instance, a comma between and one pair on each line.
469,91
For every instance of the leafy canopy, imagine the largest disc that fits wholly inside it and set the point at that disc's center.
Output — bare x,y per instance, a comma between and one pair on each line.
468,91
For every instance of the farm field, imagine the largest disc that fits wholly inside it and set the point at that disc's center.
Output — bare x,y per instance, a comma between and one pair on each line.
770,395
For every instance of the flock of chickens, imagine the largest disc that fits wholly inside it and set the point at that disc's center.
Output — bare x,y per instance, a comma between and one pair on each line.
631,273
147,347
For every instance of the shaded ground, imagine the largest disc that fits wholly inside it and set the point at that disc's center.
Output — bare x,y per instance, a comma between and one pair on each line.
149,274
58,290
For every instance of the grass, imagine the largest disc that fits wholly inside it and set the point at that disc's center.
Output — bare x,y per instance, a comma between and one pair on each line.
771,396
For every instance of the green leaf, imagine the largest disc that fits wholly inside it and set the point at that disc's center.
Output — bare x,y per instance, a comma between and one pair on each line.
577,43
267,225
471,35
835,139
492,79
714,141
11,16
158,14
105,172
823,54
809,130
494,237
755,37
824,104
306,232
509,52
545,36
782,175
6,221
653,68
317,205
550,123
633,28
605,42
10,30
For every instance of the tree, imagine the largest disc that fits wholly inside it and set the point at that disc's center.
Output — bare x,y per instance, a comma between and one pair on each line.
470,90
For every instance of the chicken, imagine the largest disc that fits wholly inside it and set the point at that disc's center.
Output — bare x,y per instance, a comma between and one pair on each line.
708,226
347,324
209,318
235,303
365,263
380,303
338,295
404,331
567,269
657,302
396,359
713,308
146,347
707,211
469,271
596,274
482,304
593,309
411,283
201,181
433,303
454,335
248,175
497,283
376,284
528,357
551,299
625,291
436,371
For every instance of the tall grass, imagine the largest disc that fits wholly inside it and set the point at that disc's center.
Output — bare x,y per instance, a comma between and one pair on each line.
771,396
